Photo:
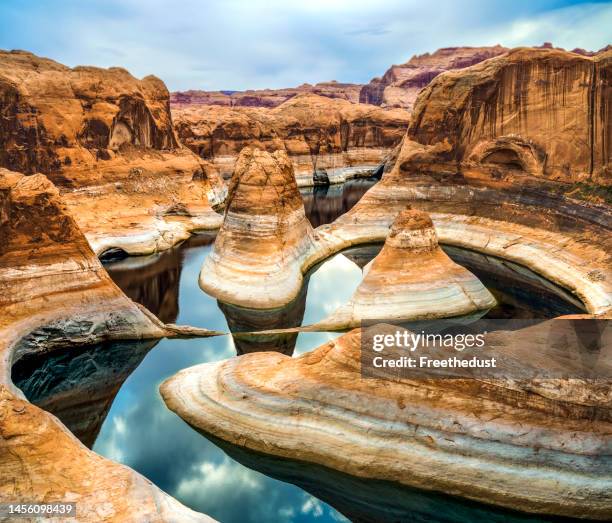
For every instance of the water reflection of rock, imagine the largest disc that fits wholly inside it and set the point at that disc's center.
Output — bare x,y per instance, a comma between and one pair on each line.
520,293
240,319
323,204
364,501
79,386
361,255
153,281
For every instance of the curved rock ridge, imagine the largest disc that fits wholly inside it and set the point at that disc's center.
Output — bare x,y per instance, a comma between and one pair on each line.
107,140
538,112
411,279
496,442
328,140
259,251
54,293
264,97
401,84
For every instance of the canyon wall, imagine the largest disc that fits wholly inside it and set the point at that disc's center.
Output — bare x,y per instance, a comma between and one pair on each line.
401,84
264,97
56,119
106,139
540,112
318,133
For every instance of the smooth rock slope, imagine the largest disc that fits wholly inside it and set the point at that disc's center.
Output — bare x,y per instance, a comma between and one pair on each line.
259,251
411,279
54,293
492,441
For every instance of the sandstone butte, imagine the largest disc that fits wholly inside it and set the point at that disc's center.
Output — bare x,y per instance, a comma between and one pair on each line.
264,97
411,279
328,140
107,141
401,84
258,254
541,448
54,293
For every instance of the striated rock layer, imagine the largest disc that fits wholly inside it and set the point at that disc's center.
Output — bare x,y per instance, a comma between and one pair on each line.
54,293
264,97
401,84
537,112
328,141
412,279
259,251
107,140
502,443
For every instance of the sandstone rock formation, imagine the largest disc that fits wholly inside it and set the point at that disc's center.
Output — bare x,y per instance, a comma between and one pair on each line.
264,97
501,443
265,236
401,84
411,279
332,138
108,141
540,112
54,293
500,186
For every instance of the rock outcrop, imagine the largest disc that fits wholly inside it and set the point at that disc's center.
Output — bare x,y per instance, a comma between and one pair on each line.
264,97
497,442
107,140
259,251
538,112
54,293
328,140
411,279
401,84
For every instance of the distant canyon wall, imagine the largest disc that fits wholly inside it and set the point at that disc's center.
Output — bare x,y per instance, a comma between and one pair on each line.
265,97
318,133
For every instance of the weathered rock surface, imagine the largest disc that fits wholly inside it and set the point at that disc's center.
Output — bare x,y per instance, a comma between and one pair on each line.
538,112
54,293
490,441
401,84
264,97
328,140
411,279
265,236
107,140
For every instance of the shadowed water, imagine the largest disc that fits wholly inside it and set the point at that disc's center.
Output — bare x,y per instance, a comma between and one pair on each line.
108,395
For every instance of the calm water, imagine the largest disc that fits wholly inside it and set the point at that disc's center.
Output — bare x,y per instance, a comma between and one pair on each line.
108,395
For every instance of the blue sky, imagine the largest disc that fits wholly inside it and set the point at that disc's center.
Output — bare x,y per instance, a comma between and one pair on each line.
239,44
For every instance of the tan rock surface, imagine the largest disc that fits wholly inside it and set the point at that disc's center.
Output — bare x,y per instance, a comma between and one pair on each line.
107,140
54,293
401,84
411,279
264,97
257,258
537,112
488,441
332,136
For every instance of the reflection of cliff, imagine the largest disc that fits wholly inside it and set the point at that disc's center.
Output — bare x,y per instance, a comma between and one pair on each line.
364,501
153,281
79,386
520,293
240,319
323,204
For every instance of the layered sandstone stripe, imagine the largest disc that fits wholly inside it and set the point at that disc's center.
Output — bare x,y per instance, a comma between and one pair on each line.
412,279
260,250
515,445
54,293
